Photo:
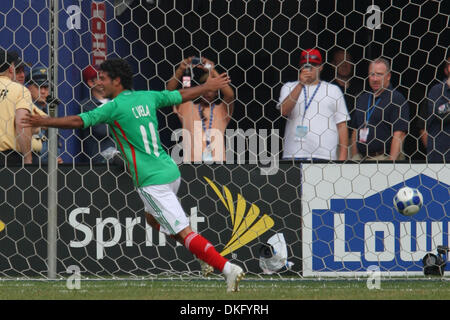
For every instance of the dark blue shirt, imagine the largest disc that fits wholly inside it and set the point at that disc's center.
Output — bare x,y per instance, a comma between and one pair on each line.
390,114
438,123
95,139
43,135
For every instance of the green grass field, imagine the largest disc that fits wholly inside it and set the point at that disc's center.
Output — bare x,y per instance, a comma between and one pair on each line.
433,289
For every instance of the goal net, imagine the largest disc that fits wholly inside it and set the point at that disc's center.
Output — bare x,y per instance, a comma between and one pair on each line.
277,218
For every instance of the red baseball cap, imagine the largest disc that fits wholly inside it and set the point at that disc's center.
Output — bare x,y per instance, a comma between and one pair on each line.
89,73
311,56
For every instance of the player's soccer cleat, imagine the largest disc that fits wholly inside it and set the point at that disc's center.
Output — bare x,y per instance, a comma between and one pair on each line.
206,268
234,277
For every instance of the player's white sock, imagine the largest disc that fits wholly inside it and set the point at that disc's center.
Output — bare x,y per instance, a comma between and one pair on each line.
227,268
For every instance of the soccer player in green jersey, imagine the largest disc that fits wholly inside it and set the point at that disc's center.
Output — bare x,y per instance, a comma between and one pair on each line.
131,115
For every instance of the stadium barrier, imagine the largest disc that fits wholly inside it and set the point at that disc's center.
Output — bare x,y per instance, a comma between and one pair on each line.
336,219
102,229
347,225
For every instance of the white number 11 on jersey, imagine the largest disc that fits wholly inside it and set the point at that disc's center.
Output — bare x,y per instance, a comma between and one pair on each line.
153,137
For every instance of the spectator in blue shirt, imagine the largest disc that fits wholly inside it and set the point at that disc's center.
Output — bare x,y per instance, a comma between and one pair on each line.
438,120
380,119
97,143
38,84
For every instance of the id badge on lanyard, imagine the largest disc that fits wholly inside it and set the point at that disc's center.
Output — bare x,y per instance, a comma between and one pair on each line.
207,153
364,132
301,130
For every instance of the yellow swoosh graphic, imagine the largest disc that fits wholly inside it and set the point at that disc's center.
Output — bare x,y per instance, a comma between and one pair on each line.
230,203
245,229
216,190
252,214
263,224
240,212
2,225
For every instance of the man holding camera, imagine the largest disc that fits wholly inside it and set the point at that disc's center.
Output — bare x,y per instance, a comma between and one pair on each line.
204,121
316,127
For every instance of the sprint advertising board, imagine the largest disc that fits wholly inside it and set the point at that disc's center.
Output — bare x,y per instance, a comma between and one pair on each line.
102,229
351,225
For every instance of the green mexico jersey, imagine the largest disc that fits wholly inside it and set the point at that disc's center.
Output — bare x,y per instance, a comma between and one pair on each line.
132,119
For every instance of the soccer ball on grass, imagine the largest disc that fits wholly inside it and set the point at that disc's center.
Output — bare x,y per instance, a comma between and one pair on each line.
408,201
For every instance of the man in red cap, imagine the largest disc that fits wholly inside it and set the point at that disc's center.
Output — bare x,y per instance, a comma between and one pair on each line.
97,142
316,114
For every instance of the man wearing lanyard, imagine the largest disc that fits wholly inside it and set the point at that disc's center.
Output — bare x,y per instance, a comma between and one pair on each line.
380,119
316,114
204,121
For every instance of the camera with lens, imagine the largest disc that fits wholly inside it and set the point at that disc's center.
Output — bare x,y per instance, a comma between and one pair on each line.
196,61
435,264
52,100
307,66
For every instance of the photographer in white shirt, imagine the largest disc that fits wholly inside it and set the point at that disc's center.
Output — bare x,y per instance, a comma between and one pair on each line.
316,114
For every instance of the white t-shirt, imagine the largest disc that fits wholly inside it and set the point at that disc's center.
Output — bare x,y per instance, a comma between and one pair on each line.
314,134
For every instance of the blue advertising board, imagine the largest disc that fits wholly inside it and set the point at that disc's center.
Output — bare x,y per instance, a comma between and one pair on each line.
351,224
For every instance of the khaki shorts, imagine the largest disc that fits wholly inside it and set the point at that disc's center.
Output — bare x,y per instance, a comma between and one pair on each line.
381,157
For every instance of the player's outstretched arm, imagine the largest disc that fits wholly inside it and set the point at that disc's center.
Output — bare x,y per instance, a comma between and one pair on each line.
69,122
23,135
212,84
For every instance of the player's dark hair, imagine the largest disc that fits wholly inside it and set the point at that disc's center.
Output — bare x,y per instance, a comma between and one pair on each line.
119,68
